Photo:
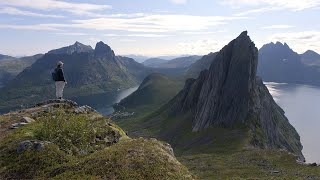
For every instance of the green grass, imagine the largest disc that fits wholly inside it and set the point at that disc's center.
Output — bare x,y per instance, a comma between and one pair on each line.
155,91
218,152
75,153
248,164
129,159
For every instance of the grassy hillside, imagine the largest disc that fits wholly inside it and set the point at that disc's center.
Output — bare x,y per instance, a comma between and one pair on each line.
70,142
155,90
218,152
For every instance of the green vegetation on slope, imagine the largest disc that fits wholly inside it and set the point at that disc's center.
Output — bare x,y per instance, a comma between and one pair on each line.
155,90
218,152
71,145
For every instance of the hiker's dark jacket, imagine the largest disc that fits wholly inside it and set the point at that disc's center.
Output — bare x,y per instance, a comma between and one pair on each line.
60,75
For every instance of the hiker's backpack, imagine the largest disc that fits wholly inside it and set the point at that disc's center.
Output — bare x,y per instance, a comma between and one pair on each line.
54,75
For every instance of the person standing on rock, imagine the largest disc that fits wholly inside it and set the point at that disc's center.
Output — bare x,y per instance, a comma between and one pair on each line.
59,79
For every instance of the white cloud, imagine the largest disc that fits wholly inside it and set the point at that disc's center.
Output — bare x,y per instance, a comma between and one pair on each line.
75,8
15,11
279,26
71,34
154,23
299,41
257,10
38,27
179,1
295,5
204,32
137,35
200,46
261,6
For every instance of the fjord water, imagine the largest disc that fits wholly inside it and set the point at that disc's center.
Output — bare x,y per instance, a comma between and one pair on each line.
103,102
301,104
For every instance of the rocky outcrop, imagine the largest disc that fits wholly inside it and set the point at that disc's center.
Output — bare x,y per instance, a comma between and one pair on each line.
31,145
230,93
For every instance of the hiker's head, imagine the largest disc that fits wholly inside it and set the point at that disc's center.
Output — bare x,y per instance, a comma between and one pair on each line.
59,63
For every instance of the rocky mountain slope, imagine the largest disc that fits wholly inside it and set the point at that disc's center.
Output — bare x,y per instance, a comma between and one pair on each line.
87,71
230,93
10,68
310,58
61,140
279,63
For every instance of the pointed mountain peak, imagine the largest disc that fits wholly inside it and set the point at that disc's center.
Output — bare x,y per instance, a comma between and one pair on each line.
244,34
103,49
230,94
77,47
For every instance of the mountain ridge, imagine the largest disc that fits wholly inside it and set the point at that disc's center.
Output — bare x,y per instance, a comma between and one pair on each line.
87,71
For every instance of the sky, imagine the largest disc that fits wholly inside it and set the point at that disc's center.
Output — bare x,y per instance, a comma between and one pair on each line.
156,27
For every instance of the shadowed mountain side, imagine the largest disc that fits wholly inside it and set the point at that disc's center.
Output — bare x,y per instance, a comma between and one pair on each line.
310,58
279,63
154,91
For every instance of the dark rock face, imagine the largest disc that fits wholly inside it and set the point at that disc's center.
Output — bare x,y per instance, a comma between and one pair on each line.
230,93
227,87
102,49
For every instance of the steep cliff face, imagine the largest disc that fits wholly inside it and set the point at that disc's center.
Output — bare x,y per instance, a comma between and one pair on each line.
230,94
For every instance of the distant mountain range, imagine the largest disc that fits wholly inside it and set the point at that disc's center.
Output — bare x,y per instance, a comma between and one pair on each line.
279,63
154,62
88,71
311,58
204,63
99,70
5,57
180,62
11,67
